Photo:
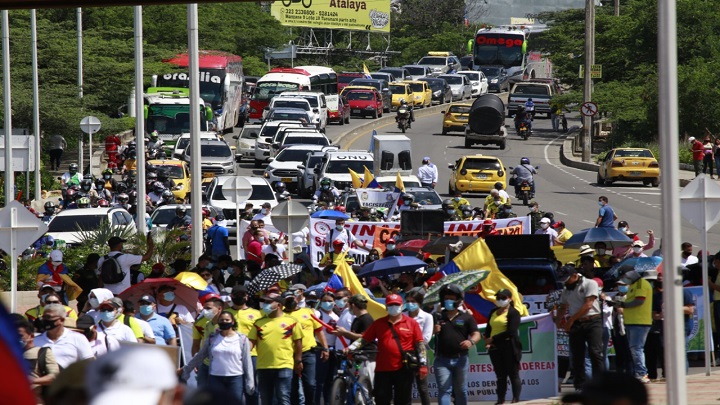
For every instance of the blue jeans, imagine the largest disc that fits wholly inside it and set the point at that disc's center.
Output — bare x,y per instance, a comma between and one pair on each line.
451,375
274,386
324,376
637,334
305,386
203,372
606,342
234,385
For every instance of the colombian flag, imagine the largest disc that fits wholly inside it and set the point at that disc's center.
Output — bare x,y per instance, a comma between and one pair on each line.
399,185
356,182
350,280
366,71
14,382
369,180
477,256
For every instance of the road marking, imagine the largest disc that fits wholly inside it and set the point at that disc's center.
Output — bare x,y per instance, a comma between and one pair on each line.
643,192
589,222
561,213
360,135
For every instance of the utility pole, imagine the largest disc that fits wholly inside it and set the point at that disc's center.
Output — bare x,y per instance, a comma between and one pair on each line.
616,8
78,15
587,78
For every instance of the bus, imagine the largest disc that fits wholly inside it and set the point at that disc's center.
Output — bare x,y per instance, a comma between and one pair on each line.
504,46
221,85
301,78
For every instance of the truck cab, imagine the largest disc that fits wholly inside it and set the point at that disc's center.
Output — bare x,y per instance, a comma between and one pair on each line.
167,111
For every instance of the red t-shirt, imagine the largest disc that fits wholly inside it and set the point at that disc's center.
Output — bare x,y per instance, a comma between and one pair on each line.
389,358
112,143
698,150
254,250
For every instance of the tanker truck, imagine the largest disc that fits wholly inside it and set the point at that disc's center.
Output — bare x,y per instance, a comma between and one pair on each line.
486,122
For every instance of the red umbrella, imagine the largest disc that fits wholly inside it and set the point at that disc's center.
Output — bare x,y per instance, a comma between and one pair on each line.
414,245
183,294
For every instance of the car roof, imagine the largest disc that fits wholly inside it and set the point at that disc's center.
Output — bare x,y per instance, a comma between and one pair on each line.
87,211
255,181
166,162
310,147
288,109
461,104
283,97
365,88
449,75
468,71
480,156
412,81
203,134
630,149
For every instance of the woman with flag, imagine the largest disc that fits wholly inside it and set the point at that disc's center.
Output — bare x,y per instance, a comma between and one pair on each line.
503,344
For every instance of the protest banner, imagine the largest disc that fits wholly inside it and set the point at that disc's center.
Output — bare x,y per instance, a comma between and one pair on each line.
372,198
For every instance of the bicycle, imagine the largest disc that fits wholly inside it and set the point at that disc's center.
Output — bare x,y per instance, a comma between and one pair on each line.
349,387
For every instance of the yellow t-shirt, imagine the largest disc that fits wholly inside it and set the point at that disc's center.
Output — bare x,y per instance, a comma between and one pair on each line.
34,313
245,319
564,236
498,322
275,339
133,324
199,328
641,315
308,325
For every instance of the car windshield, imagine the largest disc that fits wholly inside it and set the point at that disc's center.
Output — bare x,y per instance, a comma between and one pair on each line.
459,109
465,61
314,160
453,79
417,87
427,198
394,72
352,203
416,70
162,217
311,99
357,82
380,76
292,104
70,223
398,89
261,192
432,60
268,90
287,115
171,171
471,75
306,140
291,155
360,95
491,71
481,164
532,90
342,166
182,143
346,79
435,84
643,153
215,150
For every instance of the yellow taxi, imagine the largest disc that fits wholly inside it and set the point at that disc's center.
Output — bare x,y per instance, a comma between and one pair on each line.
455,118
629,164
422,95
178,172
400,91
476,174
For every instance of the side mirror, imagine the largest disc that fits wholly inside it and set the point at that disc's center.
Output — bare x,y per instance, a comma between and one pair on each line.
316,170
301,167
267,140
270,159
315,110
442,112
276,145
235,137
451,166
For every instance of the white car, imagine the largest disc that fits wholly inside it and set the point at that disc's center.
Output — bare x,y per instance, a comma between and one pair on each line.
245,142
287,102
306,174
69,224
418,71
285,165
389,181
184,141
261,193
163,214
317,102
335,165
268,130
459,85
478,81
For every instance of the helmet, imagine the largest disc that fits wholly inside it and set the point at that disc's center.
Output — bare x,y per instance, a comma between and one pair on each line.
73,168
447,203
467,213
83,202
120,187
107,173
453,289
123,198
465,207
167,194
132,145
402,101
180,210
524,161
325,184
280,186
154,135
520,108
498,185
152,176
158,187
86,184
340,208
205,212
50,207
88,177
103,203
407,196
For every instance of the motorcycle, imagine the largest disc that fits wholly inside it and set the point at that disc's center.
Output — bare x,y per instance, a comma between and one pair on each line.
403,118
524,131
525,192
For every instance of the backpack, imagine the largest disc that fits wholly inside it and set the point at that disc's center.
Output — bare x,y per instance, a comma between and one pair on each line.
111,271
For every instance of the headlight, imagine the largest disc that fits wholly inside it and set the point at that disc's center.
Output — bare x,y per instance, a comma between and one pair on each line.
494,81
266,174
437,69
437,93
475,83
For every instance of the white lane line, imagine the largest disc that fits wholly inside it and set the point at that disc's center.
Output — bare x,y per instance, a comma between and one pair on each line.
589,222
642,192
561,213
582,180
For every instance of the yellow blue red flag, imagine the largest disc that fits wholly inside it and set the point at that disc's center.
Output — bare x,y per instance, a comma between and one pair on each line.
350,280
356,181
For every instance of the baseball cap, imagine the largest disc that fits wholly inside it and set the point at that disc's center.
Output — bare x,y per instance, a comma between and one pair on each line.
84,321
147,298
206,297
130,375
391,240
239,289
159,267
272,297
565,272
426,158
487,222
545,220
338,242
107,304
359,298
295,287
393,299
599,282
117,302
585,249
56,256
610,388
691,139
115,240
311,295
274,236
52,287
503,293
638,243
558,224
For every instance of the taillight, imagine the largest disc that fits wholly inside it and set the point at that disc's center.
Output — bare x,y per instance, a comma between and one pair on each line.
617,163
653,164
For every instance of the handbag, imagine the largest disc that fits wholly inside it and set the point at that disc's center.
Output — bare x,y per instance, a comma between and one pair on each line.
410,359
512,181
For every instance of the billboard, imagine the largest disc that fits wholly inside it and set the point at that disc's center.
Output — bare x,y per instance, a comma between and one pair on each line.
356,15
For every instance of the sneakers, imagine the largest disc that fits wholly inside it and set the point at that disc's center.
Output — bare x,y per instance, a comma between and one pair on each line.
644,379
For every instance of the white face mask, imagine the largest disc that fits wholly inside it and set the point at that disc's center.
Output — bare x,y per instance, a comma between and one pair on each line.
502,303
544,225
637,249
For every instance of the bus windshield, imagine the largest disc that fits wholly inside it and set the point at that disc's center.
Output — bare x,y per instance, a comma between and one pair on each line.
267,90
171,118
211,85
499,49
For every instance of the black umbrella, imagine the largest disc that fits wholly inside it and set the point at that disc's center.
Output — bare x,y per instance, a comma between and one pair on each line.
611,237
438,246
269,277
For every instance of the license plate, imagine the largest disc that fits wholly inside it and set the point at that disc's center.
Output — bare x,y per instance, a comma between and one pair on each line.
525,188
481,176
357,111
286,179
636,173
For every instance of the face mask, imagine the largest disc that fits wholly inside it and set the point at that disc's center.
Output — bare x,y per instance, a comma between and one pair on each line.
107,177
49,325
600,203
107,316
43,297
622,229
623,289
373,257
391,247
22,343
94,302
601,252
544,225
341,303
406,202
169,296
146,310
449,305
225,325
502,303
412,306
264,211
637,249
327,306
208,313
210,280
261,239
456,198
268,308
339,227
534,209
394,310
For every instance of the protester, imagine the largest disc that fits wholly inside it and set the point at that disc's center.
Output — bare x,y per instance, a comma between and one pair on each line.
324,372
67,346
340,233
56,145
687,258
177,313
100,343
275,248
116,273
427,173
143,331
47,295
698,153
161,326
563,233
218,238
51,271
545,229
41,362
203,328
87,278
503,344
413,303
109,324
606,215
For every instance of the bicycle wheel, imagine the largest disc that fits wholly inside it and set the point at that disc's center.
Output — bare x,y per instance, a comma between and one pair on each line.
338,392
363,392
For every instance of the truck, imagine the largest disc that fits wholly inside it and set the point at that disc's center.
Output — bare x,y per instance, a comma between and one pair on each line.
486,122
167,111
540,91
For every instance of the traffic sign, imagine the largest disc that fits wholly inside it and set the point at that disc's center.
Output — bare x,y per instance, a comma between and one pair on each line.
595,71
589,109
90,124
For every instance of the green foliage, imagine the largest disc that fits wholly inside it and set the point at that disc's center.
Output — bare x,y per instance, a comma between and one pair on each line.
98,238
27,272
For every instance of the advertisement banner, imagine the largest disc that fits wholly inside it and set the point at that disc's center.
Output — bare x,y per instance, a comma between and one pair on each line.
365,232
356,15
538,366
372,198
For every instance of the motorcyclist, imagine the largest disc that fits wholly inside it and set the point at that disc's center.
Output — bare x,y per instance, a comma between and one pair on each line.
522,116
181,219
86,186
156,195
108,181
150,179
83,202
122,201
167,198
408,107
524,172
506,212
326,192
71,176
448,209
50,211
408,202
281,192
154,144
530,108
165,180
458,201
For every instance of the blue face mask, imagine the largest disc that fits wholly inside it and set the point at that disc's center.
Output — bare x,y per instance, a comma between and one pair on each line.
107,316
169,296
600,203
267,308
449,305
146,310
412,306
394,310
327,305
341,303
623,289
456,198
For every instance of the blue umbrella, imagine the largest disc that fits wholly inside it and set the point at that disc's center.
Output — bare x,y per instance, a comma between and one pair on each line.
329,214
639,264
319,288
391,265
610,236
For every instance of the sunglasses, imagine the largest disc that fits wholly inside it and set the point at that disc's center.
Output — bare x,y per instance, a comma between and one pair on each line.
52,302
106,310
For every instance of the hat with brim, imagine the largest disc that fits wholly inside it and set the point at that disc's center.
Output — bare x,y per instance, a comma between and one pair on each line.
565,273
586,249
503,293
393,299
271,297
106,304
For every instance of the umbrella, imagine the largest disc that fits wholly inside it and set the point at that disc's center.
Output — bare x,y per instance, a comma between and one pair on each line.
183,294
639,264
329,214
438,246
192,280
319,288
413,245
268,277
391,265
610,236
467,280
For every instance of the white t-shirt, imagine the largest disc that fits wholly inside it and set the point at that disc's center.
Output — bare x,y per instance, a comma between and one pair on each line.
227,354
125,261
99,346
346,319
279,253
119,331
183,313
327,318
550,232
265,218
426,323
690,260
70,347
345,235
